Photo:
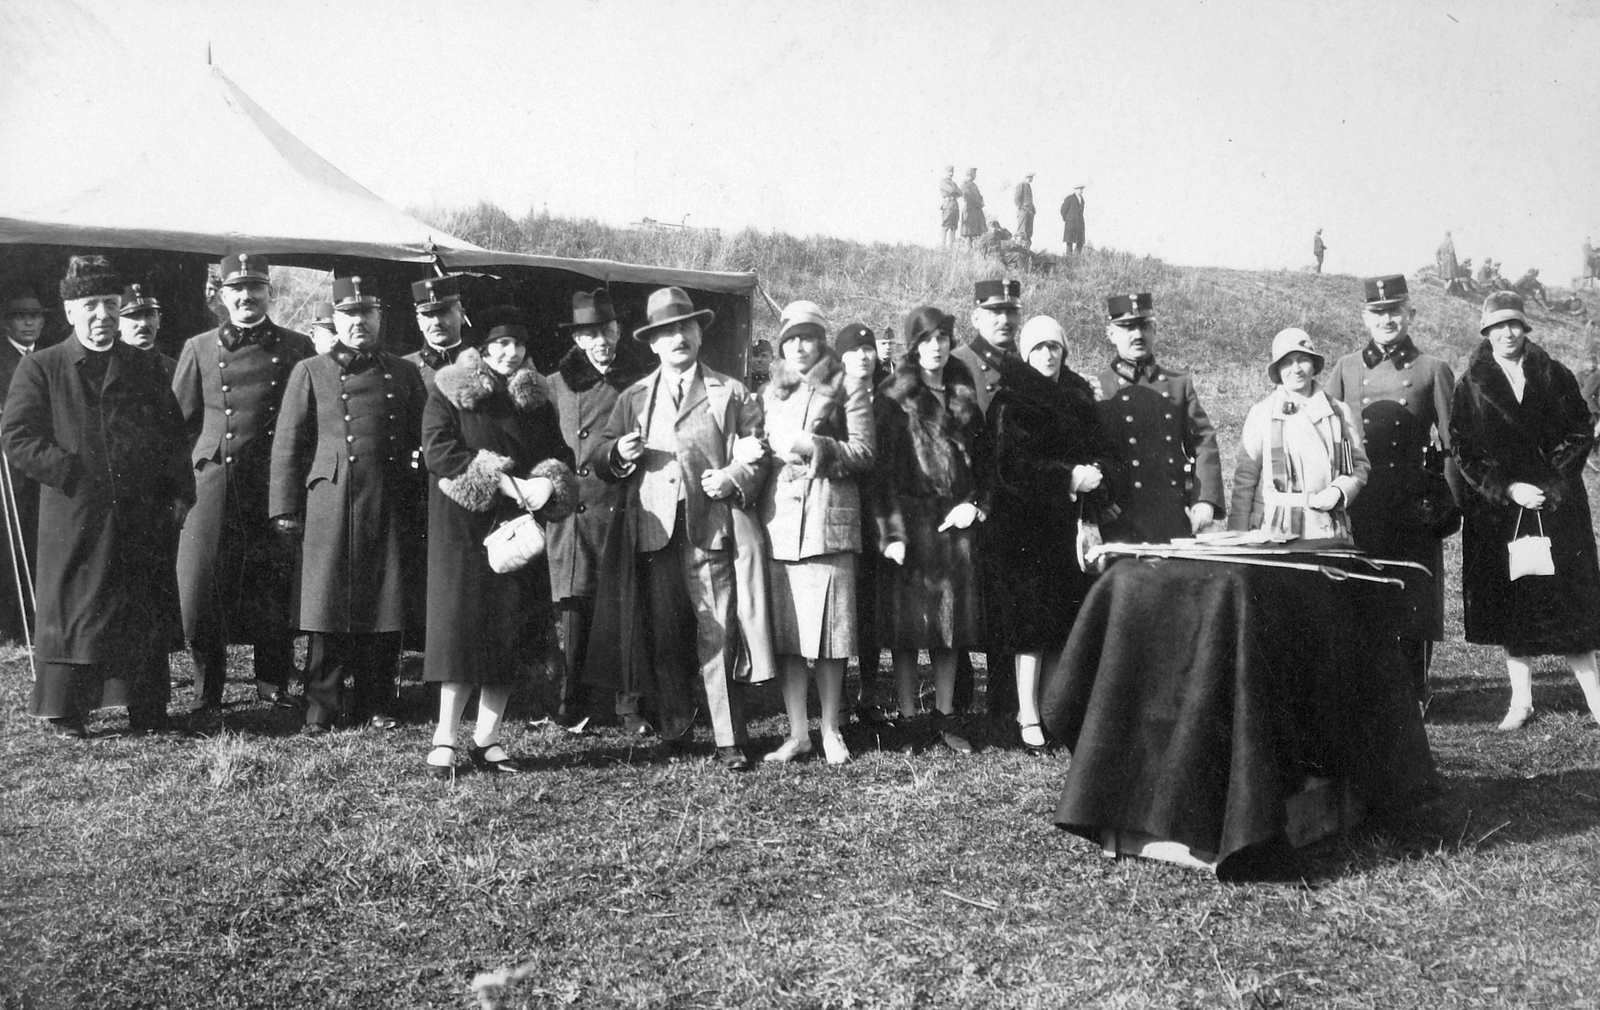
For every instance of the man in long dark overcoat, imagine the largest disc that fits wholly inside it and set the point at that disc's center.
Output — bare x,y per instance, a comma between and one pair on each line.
1403,397
668,442
584,387
1163,435
22,319
973,222
1072,231
342,477
234,570
1022,197
95,423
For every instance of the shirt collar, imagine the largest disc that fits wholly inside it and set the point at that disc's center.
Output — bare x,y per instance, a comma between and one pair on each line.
1133,371
23,349
1402,351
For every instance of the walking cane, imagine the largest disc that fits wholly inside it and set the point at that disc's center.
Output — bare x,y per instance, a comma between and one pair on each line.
17,547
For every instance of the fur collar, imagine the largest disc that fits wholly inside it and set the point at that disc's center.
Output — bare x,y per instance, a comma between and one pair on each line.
580,375
826,378
1491,383
906,388
469,382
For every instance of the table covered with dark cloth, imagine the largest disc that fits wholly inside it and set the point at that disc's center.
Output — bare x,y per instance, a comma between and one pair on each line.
1197,696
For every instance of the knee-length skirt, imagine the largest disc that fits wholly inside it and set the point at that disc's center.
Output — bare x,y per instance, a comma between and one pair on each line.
814,606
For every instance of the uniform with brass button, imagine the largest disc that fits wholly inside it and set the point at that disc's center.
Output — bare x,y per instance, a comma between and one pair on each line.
585,397
234,571
342,469
1403,397
1153,416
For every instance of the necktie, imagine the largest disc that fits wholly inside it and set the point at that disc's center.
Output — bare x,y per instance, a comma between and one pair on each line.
677,394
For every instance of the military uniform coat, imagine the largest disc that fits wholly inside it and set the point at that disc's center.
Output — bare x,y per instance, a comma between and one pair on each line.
1169,446
985,375
430,359
1544,440
1402,399
110,457
342,458
478,425
584,398
232,565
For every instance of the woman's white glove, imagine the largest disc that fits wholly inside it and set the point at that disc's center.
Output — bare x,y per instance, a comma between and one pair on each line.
895,552
748,450
1325,500
960,517
530,491
1527,495
1086,478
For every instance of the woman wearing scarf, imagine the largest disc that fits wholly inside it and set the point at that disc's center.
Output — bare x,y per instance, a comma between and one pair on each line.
820,430
933,481
1521,432
492,439
1053,464
1301,462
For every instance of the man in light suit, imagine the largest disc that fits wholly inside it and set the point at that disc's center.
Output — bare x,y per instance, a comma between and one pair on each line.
669,442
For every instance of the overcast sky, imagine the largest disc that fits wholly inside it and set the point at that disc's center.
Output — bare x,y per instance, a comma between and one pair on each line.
1207,133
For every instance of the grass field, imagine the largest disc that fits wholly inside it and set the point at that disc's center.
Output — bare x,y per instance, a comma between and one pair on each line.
255,868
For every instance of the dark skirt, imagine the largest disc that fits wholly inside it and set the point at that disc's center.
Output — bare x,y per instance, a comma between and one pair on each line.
933,600
1537,615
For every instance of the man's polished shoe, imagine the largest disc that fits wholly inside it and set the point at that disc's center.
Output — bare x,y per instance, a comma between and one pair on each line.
947,730
204,707
873,715
69,729
279,698
635,724
733,759
383,722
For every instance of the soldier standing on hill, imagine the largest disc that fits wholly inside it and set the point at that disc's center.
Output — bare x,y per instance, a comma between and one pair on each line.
997,318
342,476
973,223
234,571
1404,398
1023,198
1319,249
949,208
1072,220
1163,435
584,387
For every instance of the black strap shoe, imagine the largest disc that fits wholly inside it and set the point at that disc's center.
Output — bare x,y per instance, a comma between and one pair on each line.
733,759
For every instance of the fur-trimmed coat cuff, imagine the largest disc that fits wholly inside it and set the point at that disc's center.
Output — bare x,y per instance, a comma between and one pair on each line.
478,486
564,498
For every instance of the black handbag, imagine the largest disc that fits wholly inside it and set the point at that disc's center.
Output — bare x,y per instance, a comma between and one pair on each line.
1433,506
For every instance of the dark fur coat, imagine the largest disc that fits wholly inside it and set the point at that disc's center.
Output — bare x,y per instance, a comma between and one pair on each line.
1544,441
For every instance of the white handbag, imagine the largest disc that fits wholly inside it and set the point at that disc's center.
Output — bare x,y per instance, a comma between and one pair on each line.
1530,555
515,542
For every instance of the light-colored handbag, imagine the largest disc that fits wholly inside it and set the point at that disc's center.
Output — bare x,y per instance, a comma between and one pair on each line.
1530,555
1089,537
515,542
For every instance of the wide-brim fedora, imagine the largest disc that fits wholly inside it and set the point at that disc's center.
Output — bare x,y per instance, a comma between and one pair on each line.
668,306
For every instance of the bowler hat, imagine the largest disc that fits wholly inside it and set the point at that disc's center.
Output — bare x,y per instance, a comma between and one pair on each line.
353,294
802,319
1006,294
926,321
668,306
137,299
1386,291
590,308
852,336
1132,308
244,268
1500,306
1287,342
434,293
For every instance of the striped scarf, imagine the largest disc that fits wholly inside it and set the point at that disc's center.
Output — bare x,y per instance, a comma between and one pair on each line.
1287,480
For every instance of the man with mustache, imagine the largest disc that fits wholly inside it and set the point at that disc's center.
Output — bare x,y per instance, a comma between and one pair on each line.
439,317
233,568
139,322
343,479
667,443
1168,443
95,423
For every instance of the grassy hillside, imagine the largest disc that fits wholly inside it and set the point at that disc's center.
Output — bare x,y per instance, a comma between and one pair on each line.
1214,322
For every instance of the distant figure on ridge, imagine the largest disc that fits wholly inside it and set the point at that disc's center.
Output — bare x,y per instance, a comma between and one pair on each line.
1023,198
1591,264
1445,258
1072,218
949,208
1319,249
973,223
1529,286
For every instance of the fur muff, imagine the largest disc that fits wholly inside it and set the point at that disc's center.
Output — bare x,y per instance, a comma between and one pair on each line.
470,381
935,430
580,375
478,486
564,498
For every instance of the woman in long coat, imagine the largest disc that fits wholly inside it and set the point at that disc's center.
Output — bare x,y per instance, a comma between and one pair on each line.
820,429
973,223
1520,431
1301,461
934,474
491,437
1053,466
